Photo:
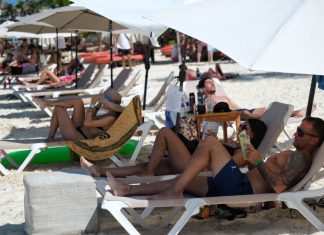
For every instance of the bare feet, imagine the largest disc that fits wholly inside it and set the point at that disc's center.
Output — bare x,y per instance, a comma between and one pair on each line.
302,112
118,188
167,194
42,103
93,169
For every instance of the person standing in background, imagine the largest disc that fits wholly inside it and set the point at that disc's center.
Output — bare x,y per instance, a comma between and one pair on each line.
124,45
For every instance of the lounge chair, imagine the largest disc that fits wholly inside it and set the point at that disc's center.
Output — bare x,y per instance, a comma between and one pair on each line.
154,109
293,198
104,146
89,89
84,82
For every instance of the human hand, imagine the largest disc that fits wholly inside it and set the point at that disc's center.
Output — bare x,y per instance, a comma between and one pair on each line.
253,154
95,99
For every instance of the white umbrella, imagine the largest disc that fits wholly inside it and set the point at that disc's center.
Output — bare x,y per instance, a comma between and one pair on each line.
130,14
273,35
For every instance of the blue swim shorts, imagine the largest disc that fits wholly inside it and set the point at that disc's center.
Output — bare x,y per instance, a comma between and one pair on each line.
229,181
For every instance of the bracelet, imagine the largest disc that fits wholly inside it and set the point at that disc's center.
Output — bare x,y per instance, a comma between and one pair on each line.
258,163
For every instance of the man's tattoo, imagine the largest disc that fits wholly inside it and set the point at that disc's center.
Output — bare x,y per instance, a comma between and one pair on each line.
267,177
296,168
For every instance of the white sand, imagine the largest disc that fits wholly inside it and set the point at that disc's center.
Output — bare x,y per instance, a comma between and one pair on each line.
250,89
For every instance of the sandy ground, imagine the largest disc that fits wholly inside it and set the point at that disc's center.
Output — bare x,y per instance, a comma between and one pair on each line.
250,89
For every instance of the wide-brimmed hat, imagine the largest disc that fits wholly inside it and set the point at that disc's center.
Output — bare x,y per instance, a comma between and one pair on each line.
115,98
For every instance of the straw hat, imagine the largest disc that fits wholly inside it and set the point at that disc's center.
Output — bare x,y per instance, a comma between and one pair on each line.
114,98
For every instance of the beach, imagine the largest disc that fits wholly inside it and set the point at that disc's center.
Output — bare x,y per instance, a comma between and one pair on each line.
251,89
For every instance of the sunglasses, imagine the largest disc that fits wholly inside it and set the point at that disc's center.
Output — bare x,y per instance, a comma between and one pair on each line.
301,133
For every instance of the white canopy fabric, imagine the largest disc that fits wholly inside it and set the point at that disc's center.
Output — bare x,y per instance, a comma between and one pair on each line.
273,35
130,12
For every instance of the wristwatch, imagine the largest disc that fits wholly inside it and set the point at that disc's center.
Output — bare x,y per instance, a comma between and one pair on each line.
92,107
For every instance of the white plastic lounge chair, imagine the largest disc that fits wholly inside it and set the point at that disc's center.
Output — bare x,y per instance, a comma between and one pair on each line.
293,198
85,82
275,117
92,88
155,108
101,147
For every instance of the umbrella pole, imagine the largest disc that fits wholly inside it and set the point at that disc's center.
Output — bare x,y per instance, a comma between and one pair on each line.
182,77
57,53
76,59
71,38
147,68
111,54
311,97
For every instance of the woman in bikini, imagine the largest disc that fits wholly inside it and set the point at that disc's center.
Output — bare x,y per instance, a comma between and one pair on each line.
178,153
50,78
85,123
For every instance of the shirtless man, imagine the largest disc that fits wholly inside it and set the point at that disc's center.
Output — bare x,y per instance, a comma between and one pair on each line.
210,92
280,172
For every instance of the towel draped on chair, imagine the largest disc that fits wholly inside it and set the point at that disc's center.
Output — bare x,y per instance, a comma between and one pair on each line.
107,144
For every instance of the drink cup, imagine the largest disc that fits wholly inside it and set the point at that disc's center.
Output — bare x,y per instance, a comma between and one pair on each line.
244,142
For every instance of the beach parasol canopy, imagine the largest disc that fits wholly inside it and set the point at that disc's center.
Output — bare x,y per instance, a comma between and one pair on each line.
273,35
130,13
79,18
5,33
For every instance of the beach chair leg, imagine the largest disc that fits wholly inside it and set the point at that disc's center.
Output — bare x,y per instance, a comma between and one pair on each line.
144,128
191,207
36,148
3,170
295,201
10,160
115,208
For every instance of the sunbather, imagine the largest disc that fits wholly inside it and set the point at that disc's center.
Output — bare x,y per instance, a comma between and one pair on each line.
84,123
280,172
218,73
49,78
178,154
210,91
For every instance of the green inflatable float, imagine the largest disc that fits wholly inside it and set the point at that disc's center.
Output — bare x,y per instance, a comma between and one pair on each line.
59,154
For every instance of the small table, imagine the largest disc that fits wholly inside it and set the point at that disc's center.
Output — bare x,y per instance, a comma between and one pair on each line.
222,117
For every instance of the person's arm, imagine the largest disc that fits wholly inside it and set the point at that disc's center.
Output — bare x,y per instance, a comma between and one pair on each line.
273,178
110,105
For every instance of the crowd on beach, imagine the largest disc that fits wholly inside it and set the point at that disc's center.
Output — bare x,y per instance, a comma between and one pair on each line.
170,154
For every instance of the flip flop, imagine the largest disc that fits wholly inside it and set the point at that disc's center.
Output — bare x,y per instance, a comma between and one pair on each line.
311,202
320,202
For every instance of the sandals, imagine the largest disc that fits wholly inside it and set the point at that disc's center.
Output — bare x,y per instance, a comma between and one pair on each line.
320,203
221,211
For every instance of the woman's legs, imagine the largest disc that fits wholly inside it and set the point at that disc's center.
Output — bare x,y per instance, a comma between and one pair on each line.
166,140
61,119
75,103
178,154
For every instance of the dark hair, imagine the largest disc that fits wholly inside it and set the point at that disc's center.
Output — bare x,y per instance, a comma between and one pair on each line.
259,129
201,83
317,126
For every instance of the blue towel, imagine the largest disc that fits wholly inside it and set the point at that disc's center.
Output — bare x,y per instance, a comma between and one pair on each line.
320,80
